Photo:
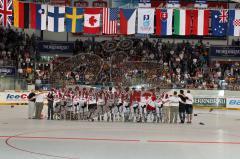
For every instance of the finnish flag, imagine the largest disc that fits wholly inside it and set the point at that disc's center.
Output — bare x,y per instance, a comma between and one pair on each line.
56,17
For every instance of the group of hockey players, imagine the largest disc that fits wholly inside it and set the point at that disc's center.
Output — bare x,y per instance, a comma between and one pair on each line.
114,104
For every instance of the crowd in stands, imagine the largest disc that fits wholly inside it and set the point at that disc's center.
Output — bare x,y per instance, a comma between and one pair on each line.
19,49
171,65
122,62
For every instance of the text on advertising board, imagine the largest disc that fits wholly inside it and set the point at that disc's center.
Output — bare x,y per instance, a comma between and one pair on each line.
16,97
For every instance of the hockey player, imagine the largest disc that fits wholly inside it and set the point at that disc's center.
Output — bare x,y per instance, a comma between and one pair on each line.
91,103
126,104
159,104
101,102
151,106
119,104
134,100
110,103
145,95
83,101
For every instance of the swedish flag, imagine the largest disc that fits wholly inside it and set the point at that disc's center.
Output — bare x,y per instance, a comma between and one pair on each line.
74,19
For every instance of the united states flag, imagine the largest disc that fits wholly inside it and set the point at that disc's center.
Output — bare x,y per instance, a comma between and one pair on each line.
6,12
110,19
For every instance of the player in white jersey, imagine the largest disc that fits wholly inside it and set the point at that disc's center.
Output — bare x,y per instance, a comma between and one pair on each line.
76,103
143,105
101,102
126,105
159,105
83,102
110,103
91,103
119,104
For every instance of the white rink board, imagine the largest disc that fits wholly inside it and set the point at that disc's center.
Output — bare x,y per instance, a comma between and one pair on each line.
13,97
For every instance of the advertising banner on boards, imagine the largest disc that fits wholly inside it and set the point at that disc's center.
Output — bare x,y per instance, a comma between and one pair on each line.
210,102
233,103
13,97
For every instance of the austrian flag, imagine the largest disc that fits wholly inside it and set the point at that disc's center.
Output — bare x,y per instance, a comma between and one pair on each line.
92,20
201,22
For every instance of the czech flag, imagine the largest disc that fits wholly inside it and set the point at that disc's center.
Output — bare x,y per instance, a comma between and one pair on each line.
127,21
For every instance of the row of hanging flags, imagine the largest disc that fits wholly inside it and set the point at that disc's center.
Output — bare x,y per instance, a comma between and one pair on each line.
148,20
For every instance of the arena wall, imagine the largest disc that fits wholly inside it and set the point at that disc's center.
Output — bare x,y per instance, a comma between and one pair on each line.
219,99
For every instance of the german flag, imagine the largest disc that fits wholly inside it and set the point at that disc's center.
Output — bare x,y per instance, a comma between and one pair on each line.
15,13
21,14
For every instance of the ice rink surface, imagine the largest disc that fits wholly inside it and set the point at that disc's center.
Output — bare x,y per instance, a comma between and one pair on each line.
21,138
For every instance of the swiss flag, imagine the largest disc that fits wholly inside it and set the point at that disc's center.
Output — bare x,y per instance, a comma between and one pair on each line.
92,20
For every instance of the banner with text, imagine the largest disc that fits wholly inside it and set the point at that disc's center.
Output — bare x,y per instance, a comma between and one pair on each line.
210,102
13,97
7,71
225,51
233,102
50,47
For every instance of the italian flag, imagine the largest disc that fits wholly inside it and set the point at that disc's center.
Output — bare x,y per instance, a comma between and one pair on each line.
182,22
200,22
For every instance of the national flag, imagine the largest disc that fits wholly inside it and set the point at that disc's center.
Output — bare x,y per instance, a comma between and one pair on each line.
127,21
201,22
56,18
21,14
110,20
16,13
74,19
164,21
219,22
38,16
182,22
6,13
92,20
234,23
146,20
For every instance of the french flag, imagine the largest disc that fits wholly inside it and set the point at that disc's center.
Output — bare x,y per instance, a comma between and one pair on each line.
127,21
234,23
164,21
38,16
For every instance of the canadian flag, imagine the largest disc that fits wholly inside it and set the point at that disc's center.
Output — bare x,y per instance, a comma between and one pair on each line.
92,20
200,22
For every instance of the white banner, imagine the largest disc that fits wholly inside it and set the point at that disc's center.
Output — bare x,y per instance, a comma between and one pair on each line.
146,20
13,97
233,103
